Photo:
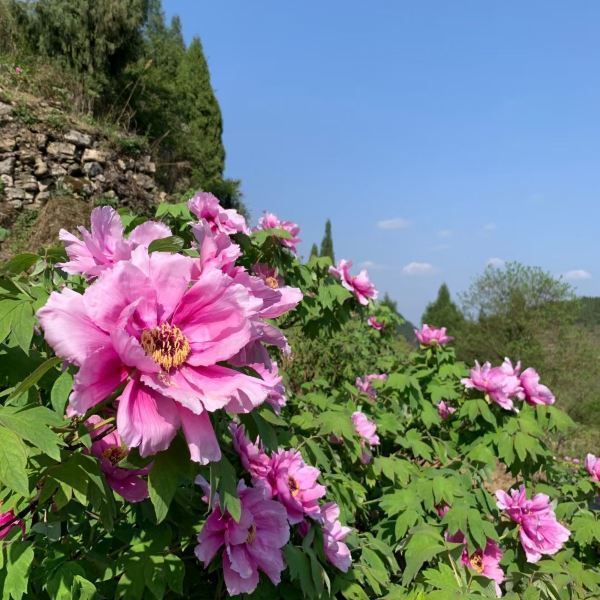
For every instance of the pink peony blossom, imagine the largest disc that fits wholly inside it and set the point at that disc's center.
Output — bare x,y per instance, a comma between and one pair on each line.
252,456
539,531
252,545
442,509
534,391
18,70
294,484
8,522
501,384
363,384
359,285
216,248
109,450
271,221
273,380
287,297
147,324
375,324
225,220
592,464
334,534
445,410
430,336
484,562
106,244
366,429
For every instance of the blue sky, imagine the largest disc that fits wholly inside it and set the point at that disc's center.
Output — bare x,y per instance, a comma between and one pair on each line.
436,135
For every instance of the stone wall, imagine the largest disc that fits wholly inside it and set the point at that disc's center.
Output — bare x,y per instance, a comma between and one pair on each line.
44,152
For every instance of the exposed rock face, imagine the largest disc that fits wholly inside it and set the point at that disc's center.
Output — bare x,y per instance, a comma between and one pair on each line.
38,160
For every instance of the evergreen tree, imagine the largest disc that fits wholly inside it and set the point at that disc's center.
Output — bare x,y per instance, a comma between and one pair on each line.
327,243
314,251
443,312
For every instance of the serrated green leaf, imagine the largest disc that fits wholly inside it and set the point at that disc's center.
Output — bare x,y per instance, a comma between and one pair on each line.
13,462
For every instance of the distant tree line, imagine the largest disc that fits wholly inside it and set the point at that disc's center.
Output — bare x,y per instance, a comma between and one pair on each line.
133,69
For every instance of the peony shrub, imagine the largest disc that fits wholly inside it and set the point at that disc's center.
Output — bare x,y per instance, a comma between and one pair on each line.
175,423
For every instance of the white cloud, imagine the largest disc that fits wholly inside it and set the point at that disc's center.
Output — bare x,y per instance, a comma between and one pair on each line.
577,275
495,262
489,227
418,268
397,223
445,233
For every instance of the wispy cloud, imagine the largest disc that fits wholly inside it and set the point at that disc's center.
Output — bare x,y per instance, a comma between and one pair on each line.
495,262
418,268
577,275
397,223
371,265
489,227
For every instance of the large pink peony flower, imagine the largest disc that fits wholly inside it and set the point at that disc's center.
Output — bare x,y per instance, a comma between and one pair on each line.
271,221
252,545
366,429
252,456
294,484
539,531
501,384
8,521
147,324
110,451
334,534
287,297
375,324
430,336
359,285
215,247
226,220
106,244
534,391
592,464
484,562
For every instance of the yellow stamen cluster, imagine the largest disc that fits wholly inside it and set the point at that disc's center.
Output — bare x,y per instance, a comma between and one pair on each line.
477,562
272,282
114,454
293,486
166,345
251,534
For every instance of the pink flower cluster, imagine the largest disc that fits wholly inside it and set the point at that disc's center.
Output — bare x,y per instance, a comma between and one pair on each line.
430,336
165,333
271,221
366,429
293,483
108,448
506,383
445,410
592,464
359,285
8,521
363,384
539,531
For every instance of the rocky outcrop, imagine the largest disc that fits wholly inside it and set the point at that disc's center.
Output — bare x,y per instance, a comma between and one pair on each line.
38,159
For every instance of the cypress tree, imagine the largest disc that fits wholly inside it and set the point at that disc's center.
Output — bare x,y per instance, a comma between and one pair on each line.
327,243
314,251
443,312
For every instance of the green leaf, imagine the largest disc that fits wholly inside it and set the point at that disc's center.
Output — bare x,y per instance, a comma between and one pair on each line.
34,377
60,392
167,244
23,323
21,262
226,485
300,569
32,425
424,544
19,556
13,462
169,467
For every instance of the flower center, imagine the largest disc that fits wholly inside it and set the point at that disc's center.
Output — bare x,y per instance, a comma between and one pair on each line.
251,534
115,454
272,282
166,345
293,486
476,562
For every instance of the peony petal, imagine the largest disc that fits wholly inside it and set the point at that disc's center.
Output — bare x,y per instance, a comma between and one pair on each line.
200,436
